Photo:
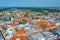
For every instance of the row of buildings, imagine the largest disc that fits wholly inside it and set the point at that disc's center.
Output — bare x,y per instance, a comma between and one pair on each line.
26,25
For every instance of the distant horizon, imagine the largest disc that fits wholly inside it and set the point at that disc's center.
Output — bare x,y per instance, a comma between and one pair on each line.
33,7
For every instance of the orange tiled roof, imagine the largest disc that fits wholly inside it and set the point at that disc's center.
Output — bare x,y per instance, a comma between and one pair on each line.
21,37
13,24
21,31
